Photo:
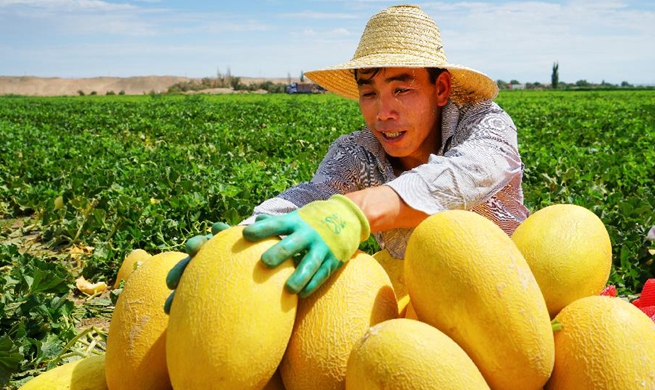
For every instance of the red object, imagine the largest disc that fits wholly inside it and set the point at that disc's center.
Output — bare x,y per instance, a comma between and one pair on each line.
609,291
647,297
650,311
646,301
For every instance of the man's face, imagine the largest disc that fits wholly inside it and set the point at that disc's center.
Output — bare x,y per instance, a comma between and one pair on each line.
401,106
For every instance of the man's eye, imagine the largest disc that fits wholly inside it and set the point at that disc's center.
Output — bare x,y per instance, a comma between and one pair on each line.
401,90
367,94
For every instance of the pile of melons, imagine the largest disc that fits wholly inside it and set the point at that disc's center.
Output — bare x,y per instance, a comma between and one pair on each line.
468,308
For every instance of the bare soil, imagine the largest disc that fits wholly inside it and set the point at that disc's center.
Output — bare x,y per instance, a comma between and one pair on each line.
138,85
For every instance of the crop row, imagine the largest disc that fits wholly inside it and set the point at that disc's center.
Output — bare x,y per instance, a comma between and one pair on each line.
148,172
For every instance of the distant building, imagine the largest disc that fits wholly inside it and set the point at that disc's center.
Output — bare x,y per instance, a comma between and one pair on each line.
515,86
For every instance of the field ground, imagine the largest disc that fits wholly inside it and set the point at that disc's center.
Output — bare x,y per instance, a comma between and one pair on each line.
84,180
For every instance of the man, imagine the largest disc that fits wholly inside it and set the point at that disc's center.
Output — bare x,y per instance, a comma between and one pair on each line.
433,141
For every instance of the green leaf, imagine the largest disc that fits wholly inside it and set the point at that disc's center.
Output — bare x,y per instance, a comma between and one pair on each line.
48,278
10,359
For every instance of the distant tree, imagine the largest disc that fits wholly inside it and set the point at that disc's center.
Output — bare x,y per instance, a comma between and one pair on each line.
109,93
228,76
554,78
94,93
80,92
235,83
502,84
582,83
121,92
626,84
514,82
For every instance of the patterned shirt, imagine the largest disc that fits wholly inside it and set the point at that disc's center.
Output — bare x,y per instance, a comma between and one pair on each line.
477,168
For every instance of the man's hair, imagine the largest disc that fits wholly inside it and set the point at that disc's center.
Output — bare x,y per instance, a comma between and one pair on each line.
372,72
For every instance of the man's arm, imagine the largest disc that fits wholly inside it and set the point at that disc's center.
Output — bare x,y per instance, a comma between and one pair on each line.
385,209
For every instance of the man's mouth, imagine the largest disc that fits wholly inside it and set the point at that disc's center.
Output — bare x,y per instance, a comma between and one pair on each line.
393,135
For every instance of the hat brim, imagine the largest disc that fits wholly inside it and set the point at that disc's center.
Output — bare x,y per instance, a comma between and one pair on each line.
468,86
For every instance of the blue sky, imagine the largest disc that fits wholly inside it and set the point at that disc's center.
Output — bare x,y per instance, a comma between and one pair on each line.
595,40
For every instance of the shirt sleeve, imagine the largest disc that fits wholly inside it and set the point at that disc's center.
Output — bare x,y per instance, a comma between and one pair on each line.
341,171
482,159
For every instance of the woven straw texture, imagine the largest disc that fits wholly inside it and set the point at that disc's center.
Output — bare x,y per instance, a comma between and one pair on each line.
404,36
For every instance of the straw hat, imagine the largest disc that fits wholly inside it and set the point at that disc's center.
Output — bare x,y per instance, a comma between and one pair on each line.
404,36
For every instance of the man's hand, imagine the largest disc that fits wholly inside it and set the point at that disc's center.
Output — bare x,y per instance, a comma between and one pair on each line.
326,234
192,246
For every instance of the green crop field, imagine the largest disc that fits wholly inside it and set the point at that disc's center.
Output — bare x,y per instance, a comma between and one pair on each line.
84,180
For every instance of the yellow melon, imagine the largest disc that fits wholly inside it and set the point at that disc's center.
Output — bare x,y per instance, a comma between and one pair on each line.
231,318
605,344
395,269
82,374
330,321
569,252
404,354
410,313
466,277
136,343
275,383
403,305
132,261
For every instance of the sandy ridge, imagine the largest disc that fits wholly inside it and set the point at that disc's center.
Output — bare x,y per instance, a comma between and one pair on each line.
55,86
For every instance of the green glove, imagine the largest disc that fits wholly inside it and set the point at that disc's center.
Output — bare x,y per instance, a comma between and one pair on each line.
326,232
191,247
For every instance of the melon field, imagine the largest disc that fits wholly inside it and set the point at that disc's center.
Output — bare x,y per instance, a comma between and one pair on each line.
85,180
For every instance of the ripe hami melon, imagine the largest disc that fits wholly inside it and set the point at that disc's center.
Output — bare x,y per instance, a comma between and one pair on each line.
605,343
331,320
466,277
136,343
87,373
403,354
231,319
569,252
395,269
131,262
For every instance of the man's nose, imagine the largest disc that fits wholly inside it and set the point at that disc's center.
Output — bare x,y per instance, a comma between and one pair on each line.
386,108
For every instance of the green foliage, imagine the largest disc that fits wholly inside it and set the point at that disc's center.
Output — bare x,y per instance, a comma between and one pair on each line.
34,311
139,172
594,149
116,173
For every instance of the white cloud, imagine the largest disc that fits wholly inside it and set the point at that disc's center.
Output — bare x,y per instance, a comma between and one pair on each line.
339,32
318,15
68,5
323,37
216,25
521,40
591,39
309,33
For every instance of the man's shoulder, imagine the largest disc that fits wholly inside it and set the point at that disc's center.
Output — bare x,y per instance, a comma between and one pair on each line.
481,108
360,138
484,111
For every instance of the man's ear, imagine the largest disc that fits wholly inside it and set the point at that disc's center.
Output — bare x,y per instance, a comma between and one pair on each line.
443,88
